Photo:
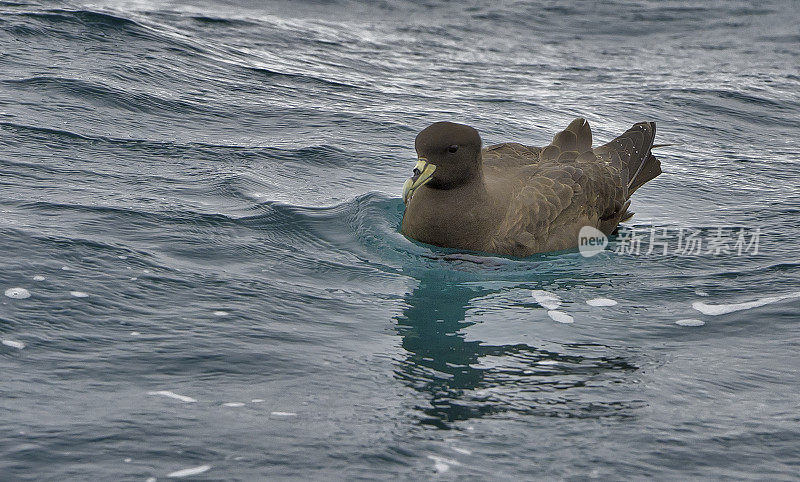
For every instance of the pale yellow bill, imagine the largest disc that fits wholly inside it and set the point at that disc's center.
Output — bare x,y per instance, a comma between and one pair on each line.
424,171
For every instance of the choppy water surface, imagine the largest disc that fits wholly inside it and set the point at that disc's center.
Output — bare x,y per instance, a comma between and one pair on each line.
204,277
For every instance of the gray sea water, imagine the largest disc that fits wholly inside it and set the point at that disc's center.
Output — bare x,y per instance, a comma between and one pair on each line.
203,273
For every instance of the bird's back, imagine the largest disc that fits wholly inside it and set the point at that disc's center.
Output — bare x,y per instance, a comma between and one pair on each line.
553,191
509,155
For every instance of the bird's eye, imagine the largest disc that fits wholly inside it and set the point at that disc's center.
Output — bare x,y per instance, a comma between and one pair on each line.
452,148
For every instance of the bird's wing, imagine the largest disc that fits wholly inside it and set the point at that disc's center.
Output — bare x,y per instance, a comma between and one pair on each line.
510,154
539,197
569,186
552,200
569,143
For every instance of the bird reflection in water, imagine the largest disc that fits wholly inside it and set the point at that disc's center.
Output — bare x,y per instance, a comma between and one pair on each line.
463,379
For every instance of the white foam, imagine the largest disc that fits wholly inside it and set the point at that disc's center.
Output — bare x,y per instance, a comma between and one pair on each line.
128,460
79,294
135,333
284,414
715,310
167,393
601,302
150,479
560,316
442,464
122,256
18,293
547,362
189,472
700,293
14,344
257,400
39,277
66,268
220,313
546,299
461,451
233,404
690,322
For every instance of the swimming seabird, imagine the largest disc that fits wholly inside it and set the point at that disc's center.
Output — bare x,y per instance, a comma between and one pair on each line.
517,200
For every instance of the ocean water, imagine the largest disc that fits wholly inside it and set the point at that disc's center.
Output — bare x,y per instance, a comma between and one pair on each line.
203,273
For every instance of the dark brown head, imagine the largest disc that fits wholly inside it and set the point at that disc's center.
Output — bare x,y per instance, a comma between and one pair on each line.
449,155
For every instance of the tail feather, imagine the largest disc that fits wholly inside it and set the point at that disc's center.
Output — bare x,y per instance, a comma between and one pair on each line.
635,161
650,169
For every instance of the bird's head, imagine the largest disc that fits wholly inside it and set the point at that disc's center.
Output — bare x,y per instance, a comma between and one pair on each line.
448,155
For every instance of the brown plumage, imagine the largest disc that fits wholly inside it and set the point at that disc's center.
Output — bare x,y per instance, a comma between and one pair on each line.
518,200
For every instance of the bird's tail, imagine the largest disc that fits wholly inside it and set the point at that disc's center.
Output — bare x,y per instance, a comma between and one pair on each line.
637,163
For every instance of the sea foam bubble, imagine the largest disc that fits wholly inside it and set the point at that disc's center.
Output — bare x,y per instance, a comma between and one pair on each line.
190,471
18,293
14,344
690,322
722,309
167,393
560,316
546,299
442,464
601,302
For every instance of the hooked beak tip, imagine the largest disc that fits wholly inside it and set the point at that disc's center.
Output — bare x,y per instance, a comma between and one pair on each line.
423,171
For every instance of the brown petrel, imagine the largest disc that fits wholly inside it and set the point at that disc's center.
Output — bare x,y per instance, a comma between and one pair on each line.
518,200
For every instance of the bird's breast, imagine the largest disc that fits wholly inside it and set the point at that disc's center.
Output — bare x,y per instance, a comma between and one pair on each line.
435,218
